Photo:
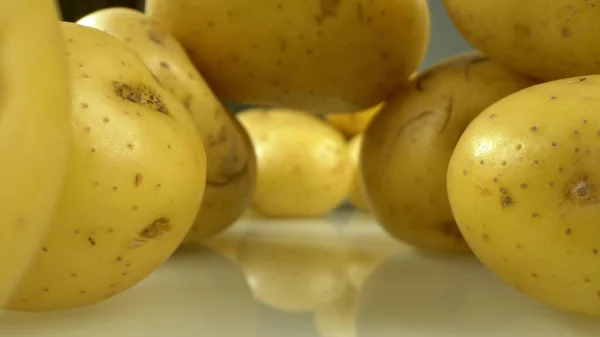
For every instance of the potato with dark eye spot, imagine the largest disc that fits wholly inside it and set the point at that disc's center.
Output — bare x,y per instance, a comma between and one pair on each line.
543,239
303,164
407,146
231,165
545,39
321,56
116,222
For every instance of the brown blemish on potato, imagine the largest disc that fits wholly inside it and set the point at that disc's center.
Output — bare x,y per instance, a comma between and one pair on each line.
535,215
464,172
92,241
140,94
360,13
485,237
134,208
115,188
45,249
554,144
157,228
138,179
523,185
565,32
534,275
484,192
568,231
519,147
503,163
580,191
164,65
450,229
130,146
595,251
157,35
73,275
534,129
553,97
506,200
83,105
119,259
521,31
45,289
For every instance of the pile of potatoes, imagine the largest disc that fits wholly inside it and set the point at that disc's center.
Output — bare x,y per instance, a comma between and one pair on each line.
118,148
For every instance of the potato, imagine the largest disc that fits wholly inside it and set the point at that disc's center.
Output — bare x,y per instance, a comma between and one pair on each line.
322,56
294,265
135,180
231,166
353,124
34,131
303,165
523,186
407,146
545,39
357,193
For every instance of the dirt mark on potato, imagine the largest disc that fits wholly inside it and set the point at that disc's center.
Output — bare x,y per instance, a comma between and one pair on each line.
450,229
329,7
157,228
140,94
581,191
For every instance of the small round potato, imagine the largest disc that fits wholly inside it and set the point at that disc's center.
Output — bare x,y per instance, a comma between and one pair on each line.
544,39
135,180
407,146
303,165
524,186
321,56
357,193
353,124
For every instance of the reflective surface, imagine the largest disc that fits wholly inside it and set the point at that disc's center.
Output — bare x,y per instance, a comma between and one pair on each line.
335,277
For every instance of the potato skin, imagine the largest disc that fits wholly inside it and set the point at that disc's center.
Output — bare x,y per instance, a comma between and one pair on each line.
231,164
355,123
407,146
357,193
303,164
545,39
523,185
322,56
34,131
136,177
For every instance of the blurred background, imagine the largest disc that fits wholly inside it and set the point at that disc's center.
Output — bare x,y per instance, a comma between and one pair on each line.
445,39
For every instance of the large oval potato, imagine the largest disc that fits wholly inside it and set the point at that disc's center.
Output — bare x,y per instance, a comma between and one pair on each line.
303,165
322,56
34,131
135,180
231,166
407,146
544,39
523,184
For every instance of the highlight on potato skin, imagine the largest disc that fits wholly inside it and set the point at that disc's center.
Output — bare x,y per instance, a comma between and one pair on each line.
316,56
231,164
407,147
522,184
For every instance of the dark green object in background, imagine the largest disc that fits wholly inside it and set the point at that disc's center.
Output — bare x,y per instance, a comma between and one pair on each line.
73,10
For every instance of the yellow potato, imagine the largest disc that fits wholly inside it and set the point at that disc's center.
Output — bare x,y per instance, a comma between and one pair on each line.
135,180
322,56
303,165
34,131
523,185
353,124
231,167
406,148
544,39
294,265
357,193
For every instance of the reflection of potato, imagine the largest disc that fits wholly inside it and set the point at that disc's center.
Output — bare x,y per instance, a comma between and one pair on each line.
294,265
369,246
195,291
338,318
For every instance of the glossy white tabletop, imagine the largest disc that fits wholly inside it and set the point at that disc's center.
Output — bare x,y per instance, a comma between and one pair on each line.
334,277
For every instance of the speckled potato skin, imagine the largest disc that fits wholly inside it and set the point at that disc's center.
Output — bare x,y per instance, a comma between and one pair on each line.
303,165
317,55
545,39
135,180
34,128
523,184
407,146
231,165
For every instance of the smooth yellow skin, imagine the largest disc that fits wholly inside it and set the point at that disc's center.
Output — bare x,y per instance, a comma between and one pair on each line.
135,181
34,107
357,193
322,56
530,211
303,165
406,148
545,39
353,124
231,166
295,266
